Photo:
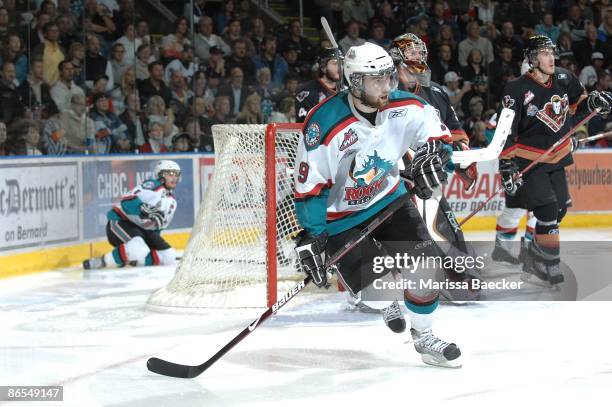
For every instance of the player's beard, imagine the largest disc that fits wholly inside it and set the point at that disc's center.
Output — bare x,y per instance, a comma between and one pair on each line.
377,102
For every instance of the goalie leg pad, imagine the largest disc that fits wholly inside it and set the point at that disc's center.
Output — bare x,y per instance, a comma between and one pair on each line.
166,257
136,250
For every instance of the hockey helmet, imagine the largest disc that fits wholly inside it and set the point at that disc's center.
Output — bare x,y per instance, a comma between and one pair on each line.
325,55
411,50
535,44
164,166
367,60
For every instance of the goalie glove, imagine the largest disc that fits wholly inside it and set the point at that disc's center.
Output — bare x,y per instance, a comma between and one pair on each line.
427,170
601,100
311,252
154,214
509,171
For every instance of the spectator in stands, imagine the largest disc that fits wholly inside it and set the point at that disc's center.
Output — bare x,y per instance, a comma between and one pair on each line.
473,114
360,11
36,31
585,9
76,55
443,63
244,13
180,143
522,14
118,62
266,91
509,39
236,90
564,46
157,111
3,139
251,112
199,87
63,90
225,16
455,94
126,87
574,24
378,36
480,88
270,59
296,68
285,112
11,106
392,20
223,111
98,19
127,14
202,111
36,93
445,37
122,144
107,125
155,135
132,118
234,33
502,64
478,137
548,28
238,58
475,41
64,10
352,38
589,74
215,68
143,59
292,83
205,39
142,31
475,65
27,139
66,32
4,23
604,31
51,52
257,33
96,65
154,85
130,43
69,132
198,141
184,65
180,96
173,44
303,47
585,48
197,11
13,52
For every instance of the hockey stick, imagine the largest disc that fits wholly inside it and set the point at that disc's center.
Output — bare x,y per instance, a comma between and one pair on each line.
607,134
532,164
330,35
166,368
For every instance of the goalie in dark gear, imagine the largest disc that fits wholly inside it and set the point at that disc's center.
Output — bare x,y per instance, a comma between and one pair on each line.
135,223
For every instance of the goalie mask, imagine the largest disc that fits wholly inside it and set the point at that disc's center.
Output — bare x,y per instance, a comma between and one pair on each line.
410,52
169,172
369,71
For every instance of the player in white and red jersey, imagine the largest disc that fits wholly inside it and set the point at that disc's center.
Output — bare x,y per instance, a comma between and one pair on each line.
135,223
347,172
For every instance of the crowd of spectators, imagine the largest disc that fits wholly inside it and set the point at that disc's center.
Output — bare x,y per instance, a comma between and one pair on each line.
92,76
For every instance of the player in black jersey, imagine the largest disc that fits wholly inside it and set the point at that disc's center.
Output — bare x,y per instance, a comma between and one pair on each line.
409,53
314,91
543,99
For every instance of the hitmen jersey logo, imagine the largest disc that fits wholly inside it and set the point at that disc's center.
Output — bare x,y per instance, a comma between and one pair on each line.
350,138
554,113
368,180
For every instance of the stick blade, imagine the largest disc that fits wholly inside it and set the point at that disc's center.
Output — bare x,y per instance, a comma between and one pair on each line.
165,368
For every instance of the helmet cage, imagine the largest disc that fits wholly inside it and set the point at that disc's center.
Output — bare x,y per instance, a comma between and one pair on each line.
357,85
411,51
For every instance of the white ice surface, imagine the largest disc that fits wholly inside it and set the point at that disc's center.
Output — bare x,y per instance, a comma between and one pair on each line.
91,334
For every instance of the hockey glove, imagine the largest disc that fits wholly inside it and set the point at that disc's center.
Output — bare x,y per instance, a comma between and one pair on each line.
427,169
509,172
601,100
154,214
311,252
575,143
467,175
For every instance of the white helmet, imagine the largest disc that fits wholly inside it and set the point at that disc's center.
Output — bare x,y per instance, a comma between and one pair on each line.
367,60
165,165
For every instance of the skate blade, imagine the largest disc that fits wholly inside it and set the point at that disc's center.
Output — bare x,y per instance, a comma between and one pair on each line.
535,280
449,364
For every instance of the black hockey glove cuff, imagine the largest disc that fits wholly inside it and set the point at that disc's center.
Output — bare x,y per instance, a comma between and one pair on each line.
601,100
311,252
427,169
509,172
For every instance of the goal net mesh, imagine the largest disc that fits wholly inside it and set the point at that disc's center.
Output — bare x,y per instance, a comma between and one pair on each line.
241,242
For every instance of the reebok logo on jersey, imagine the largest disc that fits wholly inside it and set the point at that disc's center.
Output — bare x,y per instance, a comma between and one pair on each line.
553,113
350,138
398,113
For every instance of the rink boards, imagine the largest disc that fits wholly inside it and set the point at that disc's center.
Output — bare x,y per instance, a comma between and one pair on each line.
53,210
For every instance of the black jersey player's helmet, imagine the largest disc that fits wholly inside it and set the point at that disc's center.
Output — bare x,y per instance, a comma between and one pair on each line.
325,55
537,43
411,50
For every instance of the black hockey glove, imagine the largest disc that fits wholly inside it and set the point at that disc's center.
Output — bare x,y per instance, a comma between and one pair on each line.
153,213
427,169
601,100
311,252
574,144
509,170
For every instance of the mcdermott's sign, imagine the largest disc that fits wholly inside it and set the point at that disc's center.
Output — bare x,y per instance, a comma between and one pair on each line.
39,204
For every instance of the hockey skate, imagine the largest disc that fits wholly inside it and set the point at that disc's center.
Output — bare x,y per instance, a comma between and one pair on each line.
355,304
434,351
502,254
394,318
94,263
548,272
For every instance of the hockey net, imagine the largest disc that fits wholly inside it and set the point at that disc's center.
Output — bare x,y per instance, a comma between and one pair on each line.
241,244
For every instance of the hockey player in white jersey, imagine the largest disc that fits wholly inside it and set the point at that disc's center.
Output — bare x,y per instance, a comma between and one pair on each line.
347,172
135,223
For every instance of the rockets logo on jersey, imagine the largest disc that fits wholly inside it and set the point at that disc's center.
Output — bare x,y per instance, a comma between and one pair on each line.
313,134
350,138
368,179
554,113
